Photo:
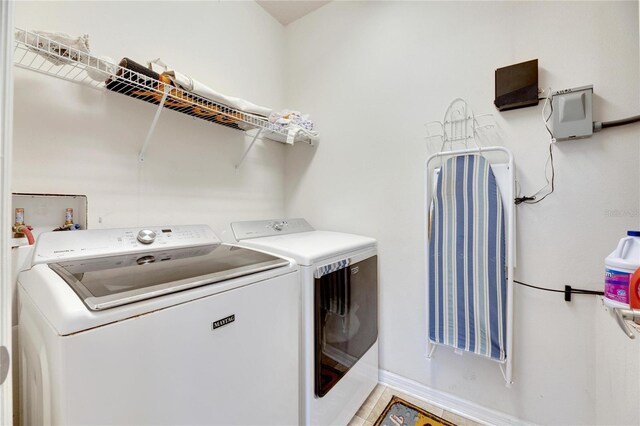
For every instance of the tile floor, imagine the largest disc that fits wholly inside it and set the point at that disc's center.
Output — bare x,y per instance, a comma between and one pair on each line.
380,397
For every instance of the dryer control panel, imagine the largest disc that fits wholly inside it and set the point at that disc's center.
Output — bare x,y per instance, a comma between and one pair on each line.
72,245
269,228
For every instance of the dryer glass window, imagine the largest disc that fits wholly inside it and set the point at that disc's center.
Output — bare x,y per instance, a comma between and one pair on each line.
345,320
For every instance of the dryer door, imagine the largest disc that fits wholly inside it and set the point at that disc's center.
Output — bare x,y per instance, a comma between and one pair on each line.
345,318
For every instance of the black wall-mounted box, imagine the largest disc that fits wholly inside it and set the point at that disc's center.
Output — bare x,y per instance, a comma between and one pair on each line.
517,86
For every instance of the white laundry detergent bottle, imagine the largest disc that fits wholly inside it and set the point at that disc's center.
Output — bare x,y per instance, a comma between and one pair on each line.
619,266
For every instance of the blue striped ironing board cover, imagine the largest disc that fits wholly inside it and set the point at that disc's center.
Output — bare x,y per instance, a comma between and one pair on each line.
467,280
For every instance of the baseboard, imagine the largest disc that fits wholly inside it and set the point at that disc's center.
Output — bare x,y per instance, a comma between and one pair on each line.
449,402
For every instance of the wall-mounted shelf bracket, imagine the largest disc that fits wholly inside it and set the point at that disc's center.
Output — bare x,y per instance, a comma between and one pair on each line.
145,145
253,141
623,315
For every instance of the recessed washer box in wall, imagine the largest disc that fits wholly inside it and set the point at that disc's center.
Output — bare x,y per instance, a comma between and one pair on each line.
46,212
572,115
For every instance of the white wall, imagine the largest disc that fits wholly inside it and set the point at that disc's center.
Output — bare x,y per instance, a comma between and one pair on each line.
372,73
69,139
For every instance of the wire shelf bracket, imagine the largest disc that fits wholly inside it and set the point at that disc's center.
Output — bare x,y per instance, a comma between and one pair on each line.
253,141
152,128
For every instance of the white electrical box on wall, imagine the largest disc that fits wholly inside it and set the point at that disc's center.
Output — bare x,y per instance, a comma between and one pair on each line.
572,115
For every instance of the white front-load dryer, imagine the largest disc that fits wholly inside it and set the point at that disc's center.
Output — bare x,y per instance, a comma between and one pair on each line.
339,280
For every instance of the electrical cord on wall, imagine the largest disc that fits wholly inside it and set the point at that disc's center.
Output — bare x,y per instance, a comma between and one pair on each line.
568,290
534,199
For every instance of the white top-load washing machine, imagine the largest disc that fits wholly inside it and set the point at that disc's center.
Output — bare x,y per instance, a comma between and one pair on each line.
163,325
339,312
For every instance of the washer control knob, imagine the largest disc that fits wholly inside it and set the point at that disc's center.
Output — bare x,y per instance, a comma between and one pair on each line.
146,236
278,226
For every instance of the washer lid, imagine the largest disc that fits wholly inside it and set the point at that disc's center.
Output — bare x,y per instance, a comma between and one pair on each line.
112,281
307,248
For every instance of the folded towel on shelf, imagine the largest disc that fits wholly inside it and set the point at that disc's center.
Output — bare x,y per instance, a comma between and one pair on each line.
287,117
287,125
61,49
191,85
65,48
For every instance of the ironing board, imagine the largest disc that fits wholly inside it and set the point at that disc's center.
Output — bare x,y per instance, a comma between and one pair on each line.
469,246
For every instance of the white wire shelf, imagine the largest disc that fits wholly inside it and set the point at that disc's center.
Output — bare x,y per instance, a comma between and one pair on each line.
43,55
